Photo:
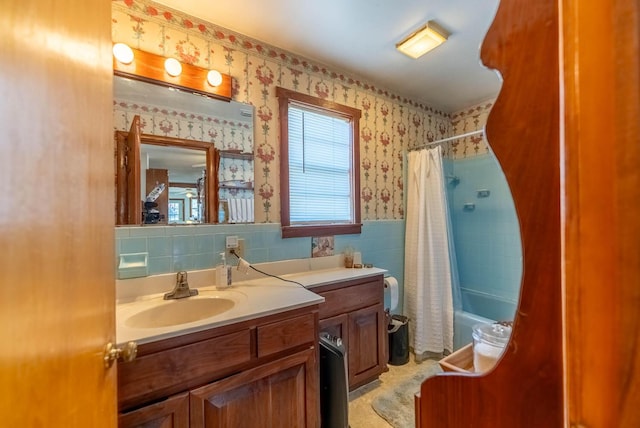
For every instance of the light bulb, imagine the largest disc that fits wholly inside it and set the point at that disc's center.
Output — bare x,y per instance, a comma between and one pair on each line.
123,53
214,78
173,67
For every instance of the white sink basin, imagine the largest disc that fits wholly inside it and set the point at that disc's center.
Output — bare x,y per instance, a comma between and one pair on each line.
181,311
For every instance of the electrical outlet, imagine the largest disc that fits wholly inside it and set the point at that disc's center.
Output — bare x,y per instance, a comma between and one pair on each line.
239,249
231,242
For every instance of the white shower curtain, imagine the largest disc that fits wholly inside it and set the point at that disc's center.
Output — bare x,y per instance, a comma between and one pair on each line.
428,298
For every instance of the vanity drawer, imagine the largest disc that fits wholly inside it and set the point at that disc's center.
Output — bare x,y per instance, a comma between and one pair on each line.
167,372
286,334
347,299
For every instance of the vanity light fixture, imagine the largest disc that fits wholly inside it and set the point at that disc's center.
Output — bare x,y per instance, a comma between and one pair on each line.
173,67
123,53
184,76
214,78
422,41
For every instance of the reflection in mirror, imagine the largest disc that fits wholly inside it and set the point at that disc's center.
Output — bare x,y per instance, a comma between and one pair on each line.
185,172
147,166
172,115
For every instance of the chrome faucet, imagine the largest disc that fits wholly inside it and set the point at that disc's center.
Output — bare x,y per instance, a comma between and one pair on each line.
181,290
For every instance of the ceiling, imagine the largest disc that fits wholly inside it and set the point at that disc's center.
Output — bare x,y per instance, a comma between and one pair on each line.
359,36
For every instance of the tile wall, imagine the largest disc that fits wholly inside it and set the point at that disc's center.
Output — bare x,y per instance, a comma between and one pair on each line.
487,238
174,248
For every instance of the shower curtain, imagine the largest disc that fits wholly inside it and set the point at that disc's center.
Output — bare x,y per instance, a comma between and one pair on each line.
428,274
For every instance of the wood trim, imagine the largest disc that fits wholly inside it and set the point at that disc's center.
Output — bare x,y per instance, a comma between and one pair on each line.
149,67
523,130
133,197
285,213
334,229
319,103
602,201
350,113
212,196
121,175
182,185
134,201
236,154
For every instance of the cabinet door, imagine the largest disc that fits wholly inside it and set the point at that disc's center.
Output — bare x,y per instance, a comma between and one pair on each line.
337,326
366,345
283,393
170,413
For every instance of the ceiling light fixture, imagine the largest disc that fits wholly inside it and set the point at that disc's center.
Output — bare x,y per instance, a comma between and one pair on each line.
214,78
173,67
422,41
123,53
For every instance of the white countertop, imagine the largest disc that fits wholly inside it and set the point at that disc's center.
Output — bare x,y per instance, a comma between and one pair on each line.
255,297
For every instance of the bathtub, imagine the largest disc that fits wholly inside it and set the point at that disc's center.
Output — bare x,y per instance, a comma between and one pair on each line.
463,323
478,308
488,305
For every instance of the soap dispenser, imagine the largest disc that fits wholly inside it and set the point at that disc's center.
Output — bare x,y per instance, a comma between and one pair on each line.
223,278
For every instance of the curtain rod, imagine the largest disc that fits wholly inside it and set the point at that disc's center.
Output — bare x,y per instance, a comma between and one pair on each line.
444,140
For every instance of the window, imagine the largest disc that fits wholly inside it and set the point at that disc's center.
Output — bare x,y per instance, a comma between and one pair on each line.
176,210
319,166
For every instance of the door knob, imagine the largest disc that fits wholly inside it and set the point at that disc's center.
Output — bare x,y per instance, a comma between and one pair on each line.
127,353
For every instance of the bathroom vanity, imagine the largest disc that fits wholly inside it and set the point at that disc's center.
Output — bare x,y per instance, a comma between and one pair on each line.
262,368
253,362
354,311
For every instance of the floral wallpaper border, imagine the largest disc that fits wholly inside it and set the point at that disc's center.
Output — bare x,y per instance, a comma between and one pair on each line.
390,124
246,44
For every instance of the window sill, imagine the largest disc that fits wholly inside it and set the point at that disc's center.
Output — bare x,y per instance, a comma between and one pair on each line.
321,230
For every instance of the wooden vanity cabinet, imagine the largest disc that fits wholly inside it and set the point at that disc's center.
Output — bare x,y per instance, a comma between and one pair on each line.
232,376
354,311
170,413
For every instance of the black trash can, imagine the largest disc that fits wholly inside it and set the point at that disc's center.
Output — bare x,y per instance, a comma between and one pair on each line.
334,388
398,330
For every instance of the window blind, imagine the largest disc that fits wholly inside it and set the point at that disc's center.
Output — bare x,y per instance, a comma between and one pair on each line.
320,162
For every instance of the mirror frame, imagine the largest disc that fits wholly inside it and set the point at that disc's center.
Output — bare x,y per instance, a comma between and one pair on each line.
128,192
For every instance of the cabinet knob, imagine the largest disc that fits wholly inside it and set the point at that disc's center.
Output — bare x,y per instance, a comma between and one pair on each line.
127,353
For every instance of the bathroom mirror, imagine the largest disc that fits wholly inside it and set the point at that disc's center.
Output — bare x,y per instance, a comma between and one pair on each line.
177,130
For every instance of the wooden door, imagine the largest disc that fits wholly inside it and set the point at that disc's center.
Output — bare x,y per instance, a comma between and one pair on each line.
366,345
127,164
602,202
56,221
170,413
277,394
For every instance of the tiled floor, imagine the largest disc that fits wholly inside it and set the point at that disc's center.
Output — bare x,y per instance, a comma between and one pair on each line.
361,414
